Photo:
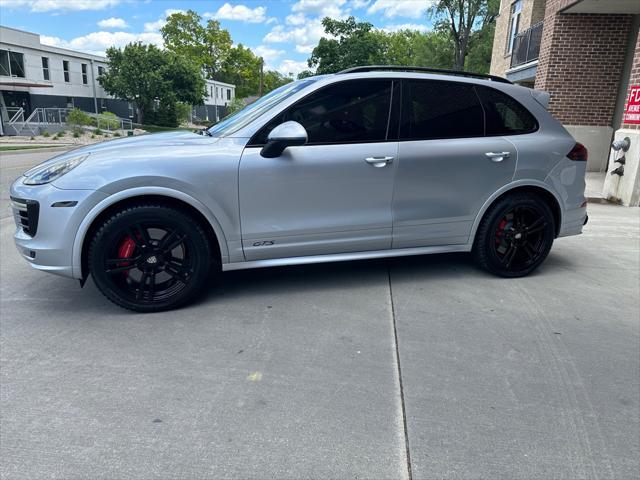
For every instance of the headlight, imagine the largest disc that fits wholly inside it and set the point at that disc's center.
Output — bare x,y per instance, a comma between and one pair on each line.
52,170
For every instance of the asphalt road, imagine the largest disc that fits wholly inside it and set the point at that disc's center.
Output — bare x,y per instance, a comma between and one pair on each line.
294,373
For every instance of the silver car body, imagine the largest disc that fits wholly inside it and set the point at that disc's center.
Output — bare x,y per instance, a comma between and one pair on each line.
314,203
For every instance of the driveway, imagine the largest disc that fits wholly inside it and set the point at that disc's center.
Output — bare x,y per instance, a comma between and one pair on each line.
421,367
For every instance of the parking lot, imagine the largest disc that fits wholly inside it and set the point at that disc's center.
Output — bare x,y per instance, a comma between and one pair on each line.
421,367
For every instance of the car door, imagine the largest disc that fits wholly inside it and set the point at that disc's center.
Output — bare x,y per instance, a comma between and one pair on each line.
332,195
447,166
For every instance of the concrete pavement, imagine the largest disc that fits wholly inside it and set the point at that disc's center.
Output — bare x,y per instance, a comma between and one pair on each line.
293,372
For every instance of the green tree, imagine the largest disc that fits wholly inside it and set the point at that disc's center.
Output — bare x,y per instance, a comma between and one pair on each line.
355,43
273,80
461,18
148,76
481,41
207,45
242,69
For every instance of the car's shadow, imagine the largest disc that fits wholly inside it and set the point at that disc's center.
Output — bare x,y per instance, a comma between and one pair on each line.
244,284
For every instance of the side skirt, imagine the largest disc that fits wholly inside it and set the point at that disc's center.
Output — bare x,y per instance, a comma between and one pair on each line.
343,257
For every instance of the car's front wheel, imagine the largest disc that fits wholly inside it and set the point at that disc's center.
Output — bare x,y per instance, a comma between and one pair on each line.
515,235
150,258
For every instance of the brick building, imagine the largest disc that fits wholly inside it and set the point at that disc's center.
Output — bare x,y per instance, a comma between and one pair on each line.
586,54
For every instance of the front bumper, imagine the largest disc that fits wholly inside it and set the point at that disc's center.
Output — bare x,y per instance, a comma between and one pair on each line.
56,219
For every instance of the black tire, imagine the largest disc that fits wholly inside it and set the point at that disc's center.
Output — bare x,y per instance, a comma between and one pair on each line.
150,258
515,235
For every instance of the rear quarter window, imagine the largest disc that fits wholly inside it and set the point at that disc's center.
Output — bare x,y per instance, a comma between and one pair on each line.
504,115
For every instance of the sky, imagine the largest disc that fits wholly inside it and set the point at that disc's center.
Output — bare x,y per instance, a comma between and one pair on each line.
283,32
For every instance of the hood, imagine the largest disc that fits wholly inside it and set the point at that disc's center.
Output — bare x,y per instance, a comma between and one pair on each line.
164,139
139,153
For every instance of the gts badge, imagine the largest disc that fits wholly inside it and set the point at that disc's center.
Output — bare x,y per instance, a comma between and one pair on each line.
263,244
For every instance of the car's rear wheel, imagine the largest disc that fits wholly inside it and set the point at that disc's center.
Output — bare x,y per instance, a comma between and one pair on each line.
150,258
515,235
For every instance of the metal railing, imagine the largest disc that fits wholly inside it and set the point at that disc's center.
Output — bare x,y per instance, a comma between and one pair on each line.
526,45
58,116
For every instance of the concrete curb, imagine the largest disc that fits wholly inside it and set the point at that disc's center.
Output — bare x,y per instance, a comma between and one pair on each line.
601,200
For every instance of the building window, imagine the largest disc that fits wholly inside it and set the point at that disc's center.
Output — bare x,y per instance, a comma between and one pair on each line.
514,23
11,64
45,68
211,92
103,104
85,78
65,69
217,92
228,94
100,71
130,105
69,102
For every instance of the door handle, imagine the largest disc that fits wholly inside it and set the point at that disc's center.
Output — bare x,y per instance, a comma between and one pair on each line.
497,156
379,162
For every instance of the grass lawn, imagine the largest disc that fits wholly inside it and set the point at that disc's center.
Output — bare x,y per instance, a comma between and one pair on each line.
10,148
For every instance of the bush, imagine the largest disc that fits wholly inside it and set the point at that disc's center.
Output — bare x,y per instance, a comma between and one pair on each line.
108,120
46,134
77,117
163,115
183,111
98,132
76,134
32,138
234,106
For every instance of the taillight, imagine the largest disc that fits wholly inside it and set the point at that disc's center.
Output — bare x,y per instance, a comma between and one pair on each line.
578,153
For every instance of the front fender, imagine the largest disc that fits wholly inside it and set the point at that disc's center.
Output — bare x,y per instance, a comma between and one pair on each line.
140,192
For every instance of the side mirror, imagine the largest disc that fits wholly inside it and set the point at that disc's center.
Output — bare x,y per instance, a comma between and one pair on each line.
287,134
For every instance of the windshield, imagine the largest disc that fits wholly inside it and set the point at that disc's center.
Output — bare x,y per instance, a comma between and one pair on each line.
252,111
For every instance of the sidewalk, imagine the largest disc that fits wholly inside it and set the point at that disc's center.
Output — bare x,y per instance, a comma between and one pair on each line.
595,184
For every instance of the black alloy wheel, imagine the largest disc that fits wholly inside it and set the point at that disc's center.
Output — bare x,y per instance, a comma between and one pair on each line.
515,236
150,258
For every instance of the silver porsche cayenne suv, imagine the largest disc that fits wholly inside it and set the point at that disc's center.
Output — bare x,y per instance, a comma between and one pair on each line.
367,163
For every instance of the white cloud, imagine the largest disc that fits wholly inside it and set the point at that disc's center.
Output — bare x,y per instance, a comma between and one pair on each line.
291,67
357,4
97,42
51,5
322,8
161,22
405,26
113,22
239,12
400,8
304,37
296,19
268,54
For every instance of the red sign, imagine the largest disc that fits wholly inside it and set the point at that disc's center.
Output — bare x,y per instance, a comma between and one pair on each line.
632,114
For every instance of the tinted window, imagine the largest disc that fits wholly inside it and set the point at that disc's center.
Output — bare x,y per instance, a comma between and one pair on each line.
248,114
437,109
504,115
347,112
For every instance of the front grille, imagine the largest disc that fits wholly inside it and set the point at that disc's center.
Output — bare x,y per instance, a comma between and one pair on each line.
26,213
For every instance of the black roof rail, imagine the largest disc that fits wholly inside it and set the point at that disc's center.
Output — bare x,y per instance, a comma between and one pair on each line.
443,71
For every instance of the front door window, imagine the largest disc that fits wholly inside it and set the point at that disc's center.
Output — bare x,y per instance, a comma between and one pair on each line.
354,111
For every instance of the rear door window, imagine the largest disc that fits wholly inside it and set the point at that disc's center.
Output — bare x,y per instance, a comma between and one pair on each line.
354,111
433,109
505,115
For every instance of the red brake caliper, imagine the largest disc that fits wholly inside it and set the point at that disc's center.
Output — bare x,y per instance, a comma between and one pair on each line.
125,250
500,231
